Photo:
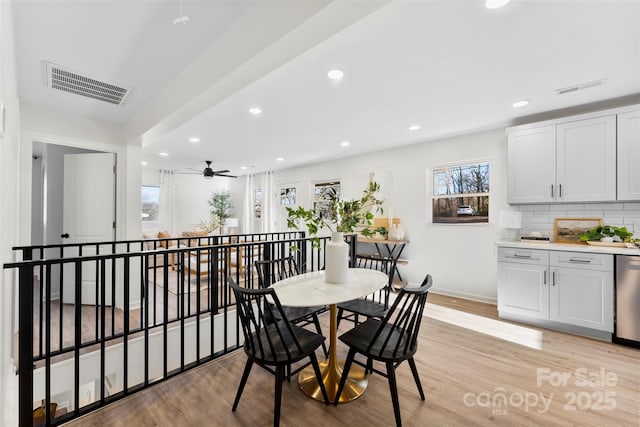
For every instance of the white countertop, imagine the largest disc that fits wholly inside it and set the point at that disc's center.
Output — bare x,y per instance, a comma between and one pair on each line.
575,247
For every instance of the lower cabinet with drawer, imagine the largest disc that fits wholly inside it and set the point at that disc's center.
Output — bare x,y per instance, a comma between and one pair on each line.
571,291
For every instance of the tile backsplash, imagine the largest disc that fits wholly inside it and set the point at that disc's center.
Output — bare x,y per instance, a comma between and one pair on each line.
539,218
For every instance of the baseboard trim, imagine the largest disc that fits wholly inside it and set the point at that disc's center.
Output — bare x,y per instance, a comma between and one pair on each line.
472,297
556,326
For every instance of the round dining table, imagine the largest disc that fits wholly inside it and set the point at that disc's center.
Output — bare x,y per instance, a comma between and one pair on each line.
310,289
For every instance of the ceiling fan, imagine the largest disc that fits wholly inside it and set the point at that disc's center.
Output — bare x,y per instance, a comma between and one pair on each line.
209,173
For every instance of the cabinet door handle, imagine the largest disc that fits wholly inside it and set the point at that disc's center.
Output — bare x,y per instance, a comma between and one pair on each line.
553,278
551,190
560,190
545,278
580,260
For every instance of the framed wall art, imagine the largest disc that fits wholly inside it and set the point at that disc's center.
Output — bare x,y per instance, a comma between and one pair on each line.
568,230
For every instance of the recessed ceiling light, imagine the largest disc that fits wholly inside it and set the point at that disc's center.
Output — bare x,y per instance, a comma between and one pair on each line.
335,74
494,4
280,159
256,111
345,144
143,163
243,167
194,139
414,127
520,104
163,154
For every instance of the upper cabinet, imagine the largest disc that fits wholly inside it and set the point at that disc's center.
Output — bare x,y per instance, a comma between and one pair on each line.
568,162
586,160
531,165
574,159
629,156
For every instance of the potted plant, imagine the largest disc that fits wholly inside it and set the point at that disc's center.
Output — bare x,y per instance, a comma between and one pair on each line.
221,207
344,216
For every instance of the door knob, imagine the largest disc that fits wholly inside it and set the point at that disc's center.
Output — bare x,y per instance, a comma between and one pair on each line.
65,235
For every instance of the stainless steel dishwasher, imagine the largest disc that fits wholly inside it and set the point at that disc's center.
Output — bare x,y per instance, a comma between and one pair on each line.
628,300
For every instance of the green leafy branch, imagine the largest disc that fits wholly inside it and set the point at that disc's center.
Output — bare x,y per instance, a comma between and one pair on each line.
344,215
606,231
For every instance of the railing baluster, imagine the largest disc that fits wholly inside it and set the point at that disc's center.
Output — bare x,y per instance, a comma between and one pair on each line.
25,346
103,327
125,341
77,337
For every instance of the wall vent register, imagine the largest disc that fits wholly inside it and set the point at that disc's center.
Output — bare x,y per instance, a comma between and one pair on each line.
57,77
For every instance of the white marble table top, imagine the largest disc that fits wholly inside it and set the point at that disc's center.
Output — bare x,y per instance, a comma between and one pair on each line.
311,289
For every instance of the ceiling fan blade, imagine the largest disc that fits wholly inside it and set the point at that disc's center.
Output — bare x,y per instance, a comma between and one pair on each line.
189,173
222,171
222,174
195,170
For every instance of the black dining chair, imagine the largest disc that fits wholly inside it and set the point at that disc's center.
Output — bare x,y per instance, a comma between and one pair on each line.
391,340
374,305
271,341
271,271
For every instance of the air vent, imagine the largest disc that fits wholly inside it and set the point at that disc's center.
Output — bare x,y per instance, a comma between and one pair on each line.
57,77
582,86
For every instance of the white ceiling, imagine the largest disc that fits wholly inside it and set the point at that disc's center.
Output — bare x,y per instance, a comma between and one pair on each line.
451,66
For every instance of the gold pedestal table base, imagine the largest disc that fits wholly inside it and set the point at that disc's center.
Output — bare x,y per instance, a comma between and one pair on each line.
353,388
331,370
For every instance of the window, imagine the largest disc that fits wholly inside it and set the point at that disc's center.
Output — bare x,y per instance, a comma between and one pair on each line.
461,194
322,195
150,203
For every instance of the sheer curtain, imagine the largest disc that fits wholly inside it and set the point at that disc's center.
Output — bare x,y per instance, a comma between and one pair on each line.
248,214
167,198
268,205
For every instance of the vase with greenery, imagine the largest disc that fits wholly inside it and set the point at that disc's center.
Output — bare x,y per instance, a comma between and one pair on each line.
221,209
344,216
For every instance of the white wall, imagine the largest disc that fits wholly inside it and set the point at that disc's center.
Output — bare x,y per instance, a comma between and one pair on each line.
37,195
9,212
461,258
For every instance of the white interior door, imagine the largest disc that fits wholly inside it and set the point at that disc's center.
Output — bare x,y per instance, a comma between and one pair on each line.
88,216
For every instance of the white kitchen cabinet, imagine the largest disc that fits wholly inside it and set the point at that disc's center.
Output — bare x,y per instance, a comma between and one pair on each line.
556,288
629,156
582,289
531,165
523,283
586,160
573,161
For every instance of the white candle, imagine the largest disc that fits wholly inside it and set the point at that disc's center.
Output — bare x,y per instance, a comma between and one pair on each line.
390,217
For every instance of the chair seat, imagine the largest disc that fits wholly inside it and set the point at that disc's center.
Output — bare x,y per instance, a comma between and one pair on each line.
296,314
282,347
361,338
364,307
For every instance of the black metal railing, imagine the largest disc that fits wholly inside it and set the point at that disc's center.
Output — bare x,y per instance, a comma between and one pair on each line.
104,320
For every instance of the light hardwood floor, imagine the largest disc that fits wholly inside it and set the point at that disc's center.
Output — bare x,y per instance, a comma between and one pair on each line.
466,359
